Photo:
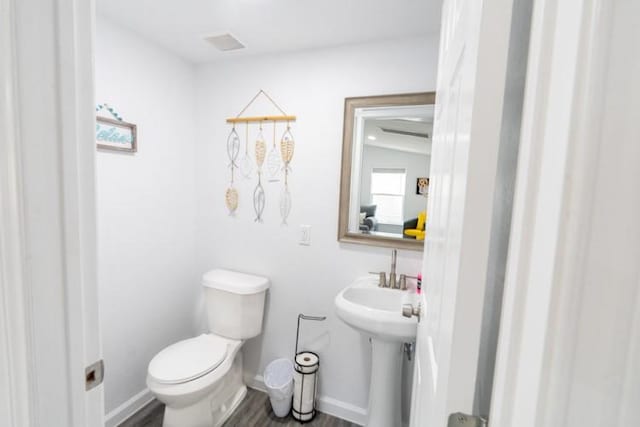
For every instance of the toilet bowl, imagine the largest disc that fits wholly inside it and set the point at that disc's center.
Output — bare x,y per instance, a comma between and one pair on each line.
200,379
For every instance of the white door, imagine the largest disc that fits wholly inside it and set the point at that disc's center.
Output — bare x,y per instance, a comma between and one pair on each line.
472,69
48,291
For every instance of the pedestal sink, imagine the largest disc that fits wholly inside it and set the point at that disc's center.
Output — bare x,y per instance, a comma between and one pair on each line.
377,313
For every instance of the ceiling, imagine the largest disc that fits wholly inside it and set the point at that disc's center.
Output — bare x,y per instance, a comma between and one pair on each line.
375,136
269,26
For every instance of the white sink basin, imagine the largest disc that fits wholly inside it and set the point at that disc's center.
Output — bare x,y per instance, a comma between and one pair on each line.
376,311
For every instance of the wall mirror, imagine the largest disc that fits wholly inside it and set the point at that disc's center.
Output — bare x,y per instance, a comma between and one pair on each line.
386,151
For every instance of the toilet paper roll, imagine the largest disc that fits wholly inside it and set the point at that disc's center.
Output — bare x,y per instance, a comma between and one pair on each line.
305,385
304,391
307,362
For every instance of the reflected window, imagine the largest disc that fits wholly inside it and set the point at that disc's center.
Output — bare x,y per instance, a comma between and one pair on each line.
387,193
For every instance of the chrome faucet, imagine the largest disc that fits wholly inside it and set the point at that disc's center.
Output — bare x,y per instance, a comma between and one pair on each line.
393,284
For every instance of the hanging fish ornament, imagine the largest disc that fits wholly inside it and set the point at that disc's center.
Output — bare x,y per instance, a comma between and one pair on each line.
233,147
273,160
261,150
258,201
287,145
258,192
231,200
285,204
246,164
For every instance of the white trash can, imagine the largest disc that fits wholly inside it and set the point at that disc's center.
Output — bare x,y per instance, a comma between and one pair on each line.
278,378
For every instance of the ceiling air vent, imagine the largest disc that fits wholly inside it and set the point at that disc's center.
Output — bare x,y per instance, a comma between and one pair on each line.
225,42
405,133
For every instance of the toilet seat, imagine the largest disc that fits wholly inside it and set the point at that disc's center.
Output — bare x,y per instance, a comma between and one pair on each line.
188,360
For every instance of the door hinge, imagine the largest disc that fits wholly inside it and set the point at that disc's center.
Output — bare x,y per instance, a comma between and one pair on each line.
463,420
93,375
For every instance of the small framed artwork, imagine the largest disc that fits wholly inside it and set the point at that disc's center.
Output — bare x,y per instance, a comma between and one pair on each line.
116,135
422,186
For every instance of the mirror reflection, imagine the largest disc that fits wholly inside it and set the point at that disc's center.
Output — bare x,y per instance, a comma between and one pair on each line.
389,172
394,171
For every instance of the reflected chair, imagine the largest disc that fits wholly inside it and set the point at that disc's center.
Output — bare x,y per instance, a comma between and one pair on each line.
415,228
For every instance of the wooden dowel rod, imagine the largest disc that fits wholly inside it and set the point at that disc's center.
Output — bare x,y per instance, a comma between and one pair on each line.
262,119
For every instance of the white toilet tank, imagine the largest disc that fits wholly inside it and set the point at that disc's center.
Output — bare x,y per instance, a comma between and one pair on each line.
234,303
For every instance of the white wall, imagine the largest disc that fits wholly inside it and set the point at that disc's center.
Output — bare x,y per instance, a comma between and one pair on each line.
148,278
311,85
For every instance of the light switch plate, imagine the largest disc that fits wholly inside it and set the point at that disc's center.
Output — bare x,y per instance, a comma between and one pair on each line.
305,235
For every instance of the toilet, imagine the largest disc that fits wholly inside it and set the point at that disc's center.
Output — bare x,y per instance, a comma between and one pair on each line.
200,379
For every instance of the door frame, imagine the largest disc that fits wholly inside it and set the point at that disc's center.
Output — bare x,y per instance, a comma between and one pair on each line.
559,145
554,145
15,384
48,283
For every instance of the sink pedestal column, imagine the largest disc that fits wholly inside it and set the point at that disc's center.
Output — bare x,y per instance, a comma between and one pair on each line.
385,387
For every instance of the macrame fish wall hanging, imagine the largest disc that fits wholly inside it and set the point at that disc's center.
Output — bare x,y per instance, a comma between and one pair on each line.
270,161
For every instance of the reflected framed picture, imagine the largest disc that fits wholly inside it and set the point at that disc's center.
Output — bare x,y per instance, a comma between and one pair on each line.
116,135
422,186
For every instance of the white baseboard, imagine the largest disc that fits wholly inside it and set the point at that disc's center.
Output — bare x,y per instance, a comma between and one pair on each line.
328,405
128,408
256,383
344,410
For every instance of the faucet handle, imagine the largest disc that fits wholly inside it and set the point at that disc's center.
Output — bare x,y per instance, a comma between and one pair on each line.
403,282
382,278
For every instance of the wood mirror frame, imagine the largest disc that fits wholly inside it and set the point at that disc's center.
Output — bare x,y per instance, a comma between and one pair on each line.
350,106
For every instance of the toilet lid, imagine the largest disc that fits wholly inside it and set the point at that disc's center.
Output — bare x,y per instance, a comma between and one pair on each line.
189,359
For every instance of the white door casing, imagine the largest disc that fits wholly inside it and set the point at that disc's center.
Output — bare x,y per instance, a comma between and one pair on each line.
570,335
14,345
49,307
471,83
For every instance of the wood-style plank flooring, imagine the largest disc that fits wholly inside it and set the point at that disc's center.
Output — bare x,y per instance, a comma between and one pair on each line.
254,411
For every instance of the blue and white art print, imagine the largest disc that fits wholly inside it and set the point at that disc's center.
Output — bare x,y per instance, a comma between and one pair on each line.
116,135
